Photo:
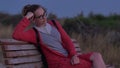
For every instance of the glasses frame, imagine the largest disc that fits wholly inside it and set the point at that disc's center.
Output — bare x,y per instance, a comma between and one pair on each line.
41,16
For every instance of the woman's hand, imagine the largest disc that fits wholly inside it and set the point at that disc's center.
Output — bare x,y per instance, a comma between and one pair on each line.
75,60
29,15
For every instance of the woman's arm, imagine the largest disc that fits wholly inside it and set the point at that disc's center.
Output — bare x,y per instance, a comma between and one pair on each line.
24,35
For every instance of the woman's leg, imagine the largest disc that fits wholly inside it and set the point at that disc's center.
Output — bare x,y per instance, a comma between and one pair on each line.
97,60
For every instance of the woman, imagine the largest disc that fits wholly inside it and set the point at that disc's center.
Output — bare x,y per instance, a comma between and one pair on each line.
55,43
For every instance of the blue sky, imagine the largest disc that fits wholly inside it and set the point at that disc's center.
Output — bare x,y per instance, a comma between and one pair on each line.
64,8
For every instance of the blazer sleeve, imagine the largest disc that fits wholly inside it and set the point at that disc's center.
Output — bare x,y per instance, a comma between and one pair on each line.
20,32
67,42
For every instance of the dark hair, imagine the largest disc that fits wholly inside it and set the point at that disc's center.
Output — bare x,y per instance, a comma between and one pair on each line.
31,8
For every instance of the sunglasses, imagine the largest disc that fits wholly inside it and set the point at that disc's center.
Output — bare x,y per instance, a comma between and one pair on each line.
41,16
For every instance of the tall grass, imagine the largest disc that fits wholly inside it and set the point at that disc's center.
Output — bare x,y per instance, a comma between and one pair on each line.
6,31
99,43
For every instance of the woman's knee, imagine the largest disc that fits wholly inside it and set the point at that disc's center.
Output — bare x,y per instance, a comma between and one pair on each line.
96,55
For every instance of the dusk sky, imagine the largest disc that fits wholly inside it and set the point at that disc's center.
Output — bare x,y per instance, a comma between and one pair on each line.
64,8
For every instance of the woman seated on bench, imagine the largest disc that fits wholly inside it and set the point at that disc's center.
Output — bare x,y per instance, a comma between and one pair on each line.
55,43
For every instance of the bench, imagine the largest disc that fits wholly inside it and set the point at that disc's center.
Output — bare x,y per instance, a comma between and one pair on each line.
19,54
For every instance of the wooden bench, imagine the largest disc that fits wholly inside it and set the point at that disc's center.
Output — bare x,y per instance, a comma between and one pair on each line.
19,54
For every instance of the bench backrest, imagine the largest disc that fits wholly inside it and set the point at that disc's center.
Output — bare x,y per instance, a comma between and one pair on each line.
19,54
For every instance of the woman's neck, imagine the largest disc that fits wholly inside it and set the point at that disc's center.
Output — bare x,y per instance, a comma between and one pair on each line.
42,25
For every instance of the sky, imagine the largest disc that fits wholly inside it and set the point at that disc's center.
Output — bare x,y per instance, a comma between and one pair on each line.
64,8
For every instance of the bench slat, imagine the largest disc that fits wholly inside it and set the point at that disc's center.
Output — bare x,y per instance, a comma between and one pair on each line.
21,60
19,47
28,52
21,53
30,65
11,41
78,49
76,45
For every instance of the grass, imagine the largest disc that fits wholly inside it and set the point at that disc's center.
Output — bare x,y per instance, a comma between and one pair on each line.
100,43
6,31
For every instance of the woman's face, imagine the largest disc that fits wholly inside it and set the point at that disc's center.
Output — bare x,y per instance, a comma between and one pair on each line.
40,17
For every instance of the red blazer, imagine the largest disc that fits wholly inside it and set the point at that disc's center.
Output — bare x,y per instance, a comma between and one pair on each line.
54,58
20,33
